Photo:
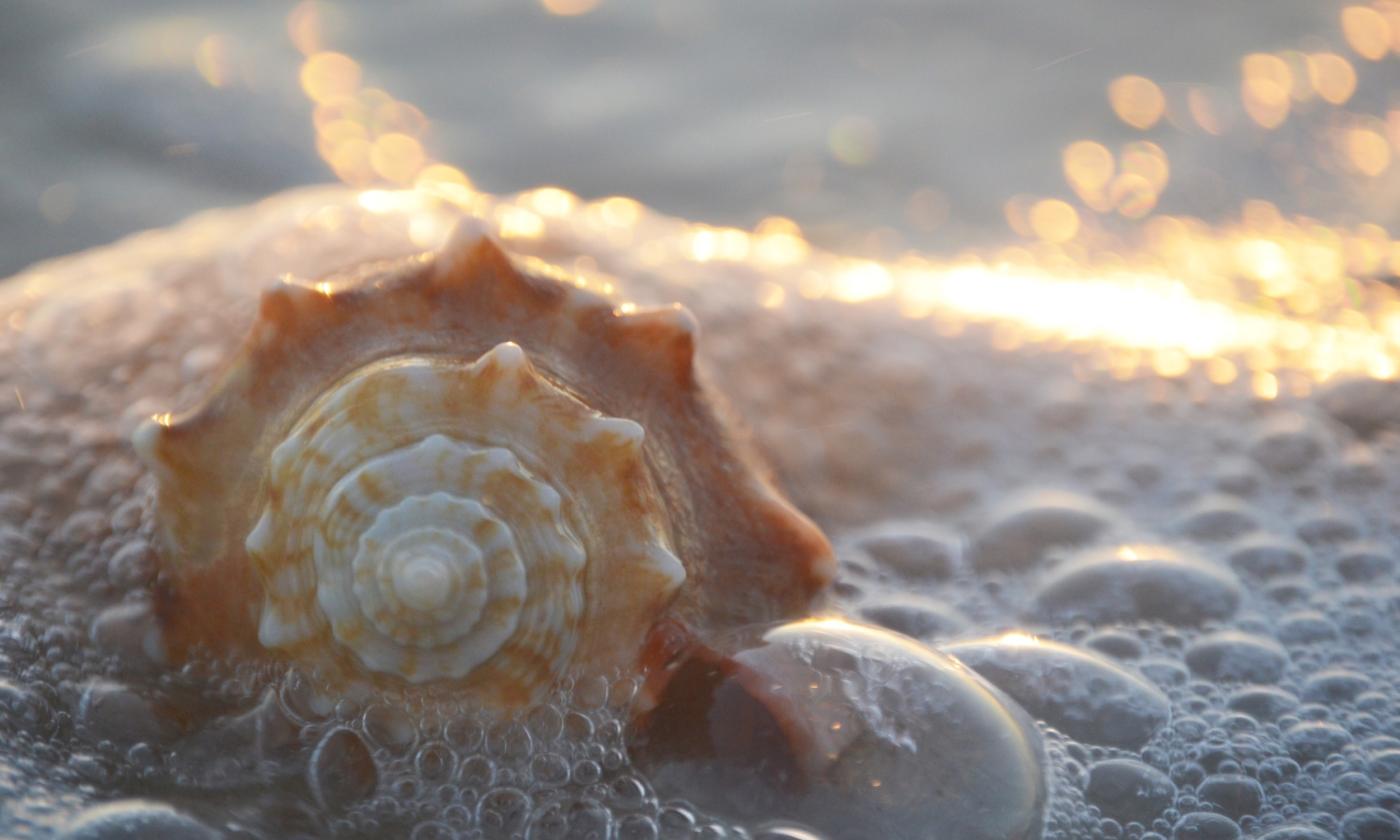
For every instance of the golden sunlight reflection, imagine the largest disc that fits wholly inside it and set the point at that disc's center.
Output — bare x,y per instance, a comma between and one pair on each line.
1367,32
569,8
1205,110
1254,302
305,27
1367,151
1264,385
213,60
364,135
862,281
1015,638
1053,220
1137,101
1332,77
1088,168
329,76
1266,89
551,202
779,242
519,223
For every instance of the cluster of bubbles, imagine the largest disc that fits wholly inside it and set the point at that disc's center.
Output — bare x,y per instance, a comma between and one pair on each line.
1189,585
1204,630
558,770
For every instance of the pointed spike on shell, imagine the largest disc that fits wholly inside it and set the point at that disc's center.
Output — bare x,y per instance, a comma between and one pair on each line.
549,498
259,539
790,529
507,357
285,306
159,442
277,629
467,248
614,434
146,441
472,265
465,234
660,339
509,368
646,576
666,565
165,446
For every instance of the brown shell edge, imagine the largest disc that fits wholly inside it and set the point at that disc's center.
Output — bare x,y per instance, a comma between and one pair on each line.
750,555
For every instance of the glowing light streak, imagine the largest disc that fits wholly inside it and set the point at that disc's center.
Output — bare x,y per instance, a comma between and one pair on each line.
1237,302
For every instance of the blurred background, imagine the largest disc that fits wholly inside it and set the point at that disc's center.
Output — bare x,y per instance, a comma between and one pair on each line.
877,126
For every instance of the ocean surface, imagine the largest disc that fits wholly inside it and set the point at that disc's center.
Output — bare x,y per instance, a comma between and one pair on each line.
124,116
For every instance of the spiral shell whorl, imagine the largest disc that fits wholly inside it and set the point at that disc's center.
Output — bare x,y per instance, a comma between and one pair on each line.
431,518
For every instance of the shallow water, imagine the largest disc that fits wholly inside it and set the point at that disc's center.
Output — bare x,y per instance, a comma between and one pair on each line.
724,114
1174,570
1189,588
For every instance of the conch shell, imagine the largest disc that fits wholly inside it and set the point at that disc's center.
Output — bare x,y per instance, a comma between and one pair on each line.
447,472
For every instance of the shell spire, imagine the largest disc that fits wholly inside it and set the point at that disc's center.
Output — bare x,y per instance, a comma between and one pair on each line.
448,471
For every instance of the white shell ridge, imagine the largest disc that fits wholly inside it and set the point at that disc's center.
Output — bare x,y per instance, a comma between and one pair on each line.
434,520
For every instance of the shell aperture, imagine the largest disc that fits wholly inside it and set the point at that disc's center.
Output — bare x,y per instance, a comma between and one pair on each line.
389,489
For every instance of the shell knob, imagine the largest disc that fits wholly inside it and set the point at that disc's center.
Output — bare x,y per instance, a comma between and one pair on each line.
451,473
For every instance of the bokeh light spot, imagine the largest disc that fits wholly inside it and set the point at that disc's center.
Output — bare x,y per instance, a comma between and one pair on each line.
863,281
1221,371
393,116
213,61
1367,32
519,223
329,75
1147,159
854,141
1367,151
350,160
620,211
1205,111
1017,212
305,27
1266,89
1137,101
1132,195
1054,220
397,157
552,202
439,174
779,241
1088,168
1264,385
1332,77
569,8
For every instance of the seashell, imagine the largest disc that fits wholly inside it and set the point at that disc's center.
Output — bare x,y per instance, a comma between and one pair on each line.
446,471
